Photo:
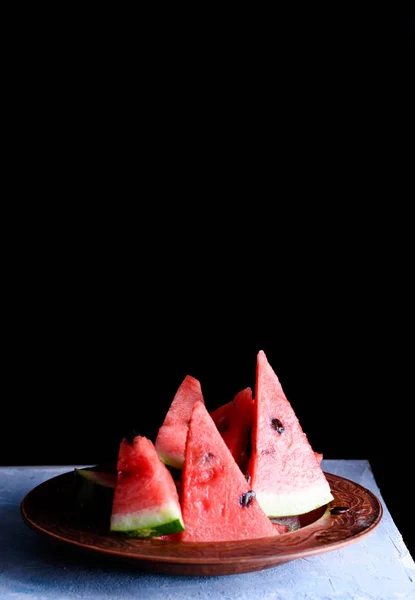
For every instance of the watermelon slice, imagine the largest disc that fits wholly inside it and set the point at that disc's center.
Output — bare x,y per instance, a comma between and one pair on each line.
171,437
101,478
234,421
217,502
287,524
94,491
146,502
285,472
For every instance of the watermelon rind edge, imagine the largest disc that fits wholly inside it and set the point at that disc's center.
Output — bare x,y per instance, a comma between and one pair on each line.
102,479
162,521
294,504
171,460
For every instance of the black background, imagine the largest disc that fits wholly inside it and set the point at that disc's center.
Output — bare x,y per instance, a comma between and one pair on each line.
244,205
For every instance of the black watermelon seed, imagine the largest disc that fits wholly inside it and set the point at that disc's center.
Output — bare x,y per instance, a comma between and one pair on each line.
247,498
208,457
277,425
248,478
339,510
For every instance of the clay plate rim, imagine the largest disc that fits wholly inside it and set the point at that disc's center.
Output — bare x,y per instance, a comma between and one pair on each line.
45,509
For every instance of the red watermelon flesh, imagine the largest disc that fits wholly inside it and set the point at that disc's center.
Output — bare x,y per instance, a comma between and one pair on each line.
285,472
217,502
171,437
234,421
280,527
145,502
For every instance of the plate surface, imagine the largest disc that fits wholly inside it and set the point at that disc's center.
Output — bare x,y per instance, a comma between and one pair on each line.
355,512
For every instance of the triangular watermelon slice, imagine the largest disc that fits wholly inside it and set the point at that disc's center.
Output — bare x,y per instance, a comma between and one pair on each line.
234,421
171,437
285,472
99,478
217,502
145,502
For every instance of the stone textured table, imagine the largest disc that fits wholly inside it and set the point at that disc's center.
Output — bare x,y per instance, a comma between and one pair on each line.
378,567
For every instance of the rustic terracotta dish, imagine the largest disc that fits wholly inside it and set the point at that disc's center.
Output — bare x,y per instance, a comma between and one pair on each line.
354,514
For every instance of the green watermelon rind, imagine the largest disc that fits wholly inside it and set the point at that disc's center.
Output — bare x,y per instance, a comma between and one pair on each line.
158,531
296,503
171,460
102,479
164,520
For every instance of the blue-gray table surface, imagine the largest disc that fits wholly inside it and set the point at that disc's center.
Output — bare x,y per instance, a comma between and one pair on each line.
32,567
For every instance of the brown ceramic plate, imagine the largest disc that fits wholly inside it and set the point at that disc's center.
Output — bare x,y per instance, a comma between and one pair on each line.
354,514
